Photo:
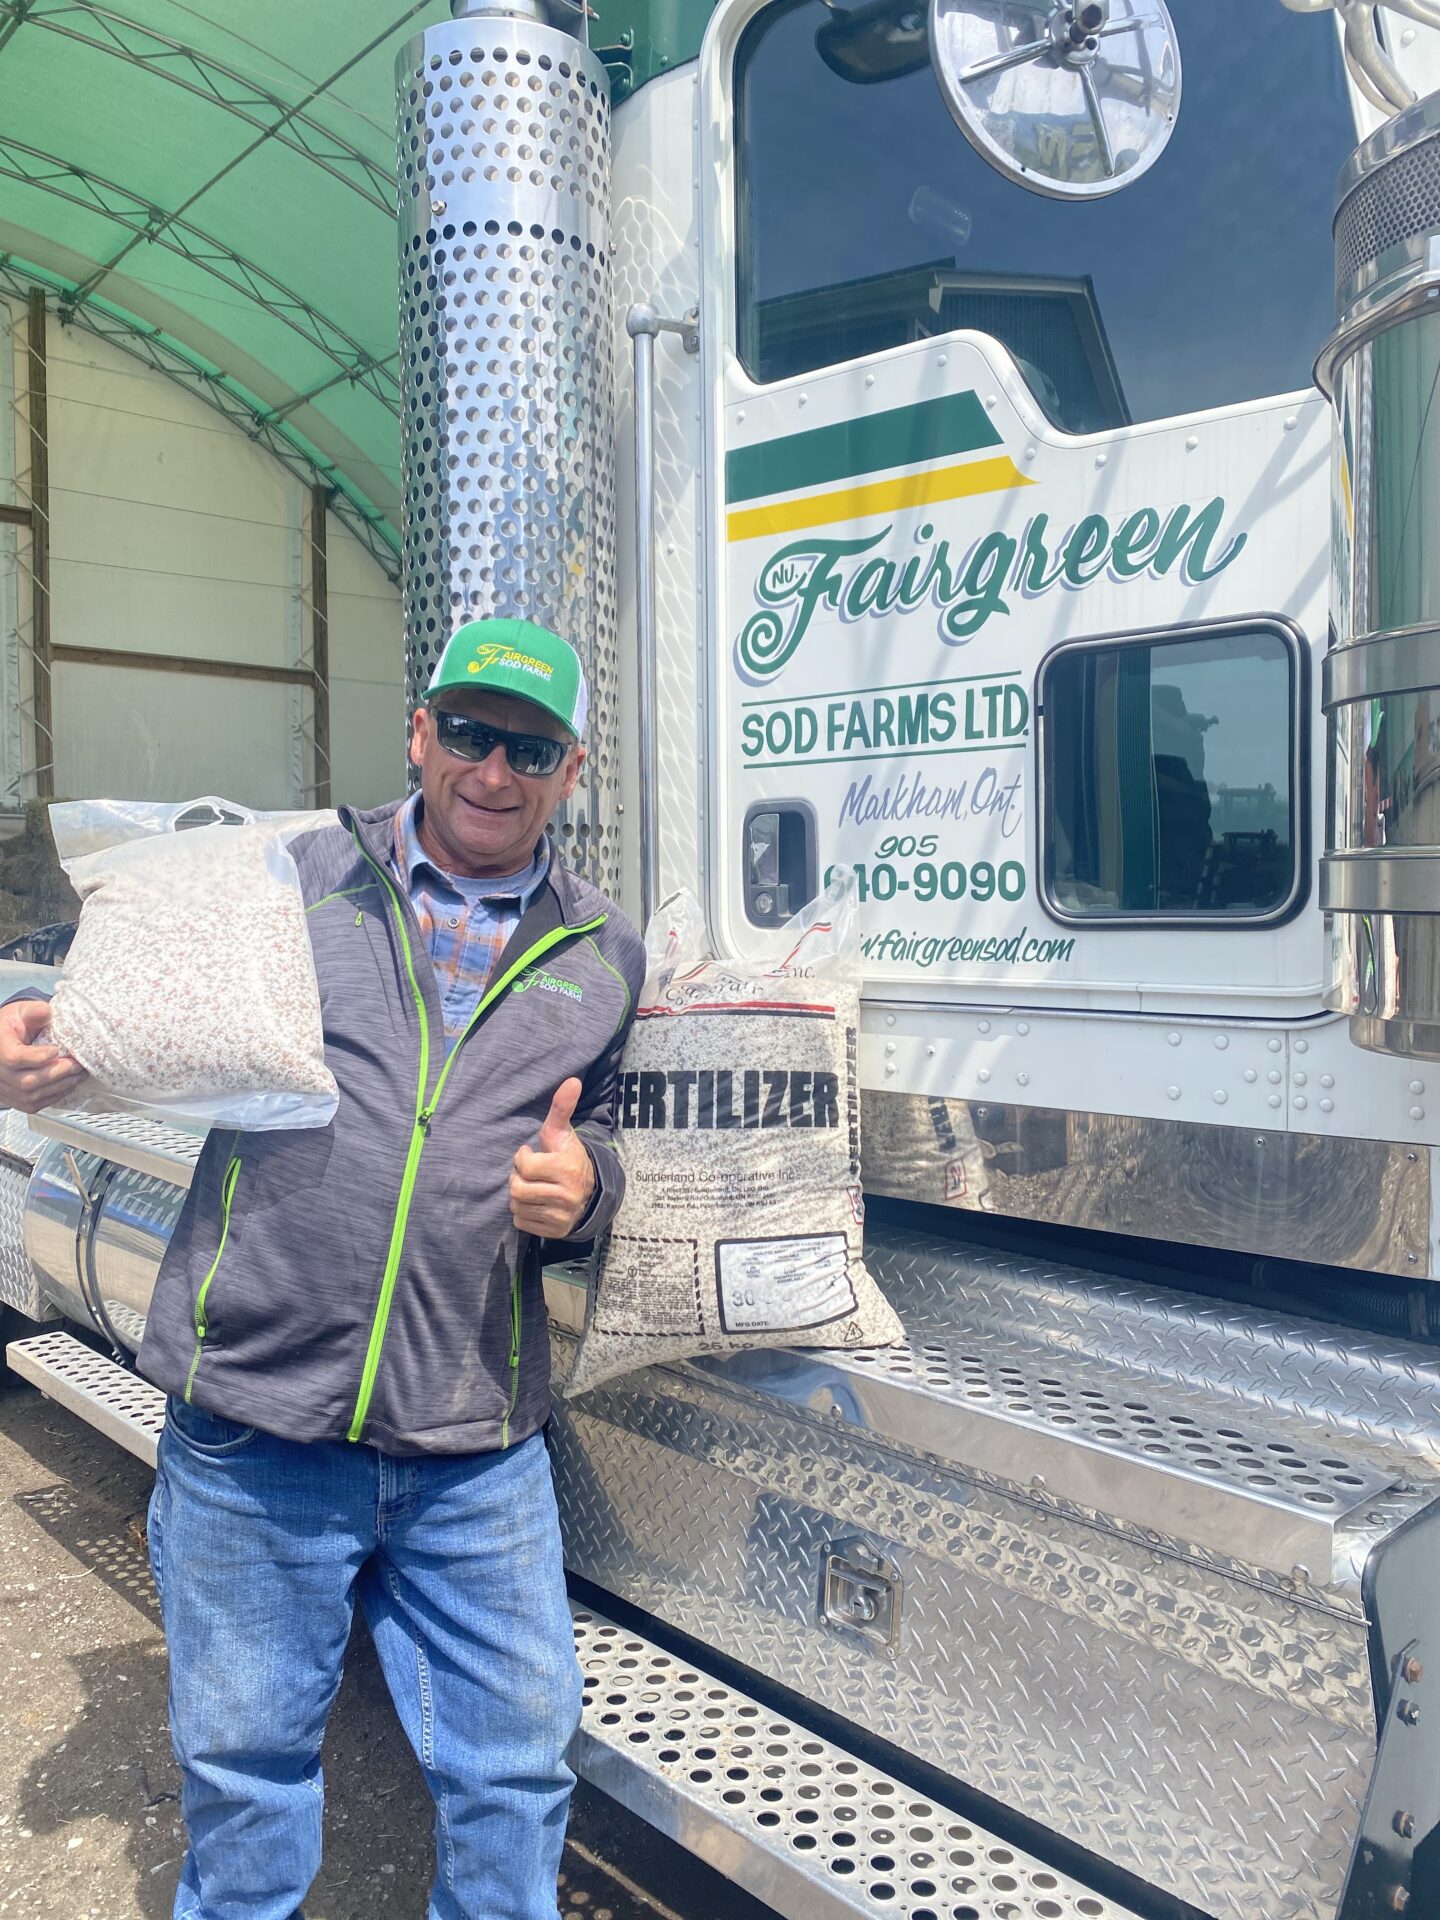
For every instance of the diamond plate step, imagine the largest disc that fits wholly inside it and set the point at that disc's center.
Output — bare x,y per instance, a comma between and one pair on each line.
791,1818
113,1400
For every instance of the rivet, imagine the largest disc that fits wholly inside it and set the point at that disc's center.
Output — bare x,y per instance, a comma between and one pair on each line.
1274,1100
1173,1038
1221,1096
1022,1027
889,1019
1101,459
984,1027
889,1067
1302,1046
1300,1103
804,399
1221,1041
1417,1113
889,1046
990,401
1327,1106
740,418
1274,1076
1412,1671
984,1074
1404,1824
1174,1092
1328,1080
1407,38
943,360
1417,1086
869,379
1274,1045
1300,1079
1251,1076
1029,453
1408,1713
1291,423
1192,443
1022,1079
930,1052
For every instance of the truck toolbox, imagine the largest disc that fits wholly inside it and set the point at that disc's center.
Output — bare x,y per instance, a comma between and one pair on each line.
1099,1552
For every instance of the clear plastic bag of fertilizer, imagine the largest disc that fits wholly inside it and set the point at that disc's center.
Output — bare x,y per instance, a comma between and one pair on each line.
740,1138
189,990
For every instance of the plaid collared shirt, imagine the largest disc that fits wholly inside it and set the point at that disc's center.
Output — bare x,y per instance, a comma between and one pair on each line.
467,923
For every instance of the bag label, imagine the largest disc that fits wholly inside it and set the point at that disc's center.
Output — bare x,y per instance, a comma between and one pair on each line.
776,1285
722,1098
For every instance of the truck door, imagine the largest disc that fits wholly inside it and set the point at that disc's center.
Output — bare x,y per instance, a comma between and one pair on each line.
1019,546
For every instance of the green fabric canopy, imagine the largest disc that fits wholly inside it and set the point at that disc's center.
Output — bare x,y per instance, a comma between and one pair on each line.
217,180
212,186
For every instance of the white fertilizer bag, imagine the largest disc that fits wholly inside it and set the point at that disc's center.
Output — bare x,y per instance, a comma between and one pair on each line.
740,1137
190,988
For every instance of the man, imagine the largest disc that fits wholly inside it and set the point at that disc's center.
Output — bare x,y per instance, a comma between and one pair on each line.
350,1326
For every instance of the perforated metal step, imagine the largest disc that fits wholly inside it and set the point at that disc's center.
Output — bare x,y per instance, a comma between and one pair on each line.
125,1409
792,1819
130,1140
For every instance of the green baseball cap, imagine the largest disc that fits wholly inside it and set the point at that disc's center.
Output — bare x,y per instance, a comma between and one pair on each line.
517,657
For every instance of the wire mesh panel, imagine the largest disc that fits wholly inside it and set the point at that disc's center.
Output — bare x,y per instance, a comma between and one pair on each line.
506,361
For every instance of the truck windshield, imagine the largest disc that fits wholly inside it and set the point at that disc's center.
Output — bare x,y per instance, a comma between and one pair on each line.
866,220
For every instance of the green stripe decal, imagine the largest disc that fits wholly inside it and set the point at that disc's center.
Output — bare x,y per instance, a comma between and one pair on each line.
876,442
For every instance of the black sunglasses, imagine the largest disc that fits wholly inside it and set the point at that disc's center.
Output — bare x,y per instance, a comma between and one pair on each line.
529,753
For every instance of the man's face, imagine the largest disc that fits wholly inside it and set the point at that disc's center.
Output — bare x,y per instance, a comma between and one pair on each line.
481,818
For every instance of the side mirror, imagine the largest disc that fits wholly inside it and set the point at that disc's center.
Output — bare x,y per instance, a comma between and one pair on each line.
1074,102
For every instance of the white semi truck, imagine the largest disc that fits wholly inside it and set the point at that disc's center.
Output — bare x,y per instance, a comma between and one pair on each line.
911,415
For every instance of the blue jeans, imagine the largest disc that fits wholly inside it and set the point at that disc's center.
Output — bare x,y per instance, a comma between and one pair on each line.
260,1548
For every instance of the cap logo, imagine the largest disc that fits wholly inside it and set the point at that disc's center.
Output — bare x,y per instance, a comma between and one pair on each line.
492,653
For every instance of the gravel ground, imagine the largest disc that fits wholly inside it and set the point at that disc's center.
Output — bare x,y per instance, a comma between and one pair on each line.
89,1819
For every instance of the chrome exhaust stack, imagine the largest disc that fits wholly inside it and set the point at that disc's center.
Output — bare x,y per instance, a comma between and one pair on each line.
506,356
1380,875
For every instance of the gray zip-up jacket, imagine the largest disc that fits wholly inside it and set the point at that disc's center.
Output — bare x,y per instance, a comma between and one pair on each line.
365,1280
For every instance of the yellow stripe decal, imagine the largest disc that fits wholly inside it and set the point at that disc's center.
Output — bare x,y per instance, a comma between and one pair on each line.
880,496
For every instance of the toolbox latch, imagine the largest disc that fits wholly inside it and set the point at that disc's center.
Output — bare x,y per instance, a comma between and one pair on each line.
860,1591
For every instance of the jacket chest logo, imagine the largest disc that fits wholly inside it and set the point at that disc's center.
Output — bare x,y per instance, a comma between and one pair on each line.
547,983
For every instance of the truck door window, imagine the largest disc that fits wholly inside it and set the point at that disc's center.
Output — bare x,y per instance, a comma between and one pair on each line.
1170,776
866,221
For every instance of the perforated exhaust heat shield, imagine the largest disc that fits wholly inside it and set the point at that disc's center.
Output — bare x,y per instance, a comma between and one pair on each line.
503,138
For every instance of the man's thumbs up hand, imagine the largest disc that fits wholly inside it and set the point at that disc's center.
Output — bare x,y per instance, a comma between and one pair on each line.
557,1132
552,1181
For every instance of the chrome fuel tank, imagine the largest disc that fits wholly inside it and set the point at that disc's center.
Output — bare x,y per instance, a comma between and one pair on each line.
102,1203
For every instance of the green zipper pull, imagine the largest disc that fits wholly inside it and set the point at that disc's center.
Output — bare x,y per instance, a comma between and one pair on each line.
360,919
